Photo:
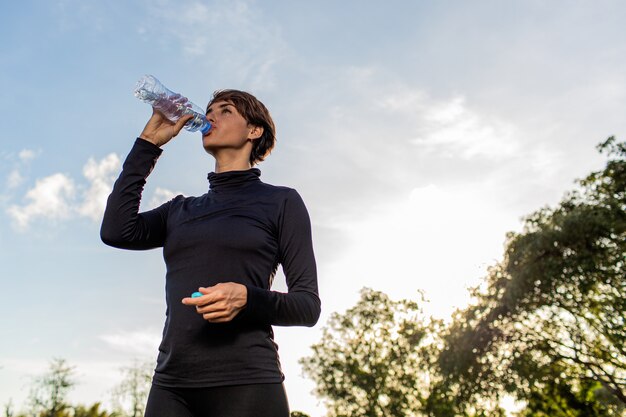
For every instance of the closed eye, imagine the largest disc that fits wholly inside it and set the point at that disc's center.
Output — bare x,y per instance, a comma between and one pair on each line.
224,107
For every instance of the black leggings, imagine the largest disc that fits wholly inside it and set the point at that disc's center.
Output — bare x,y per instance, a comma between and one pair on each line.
254,400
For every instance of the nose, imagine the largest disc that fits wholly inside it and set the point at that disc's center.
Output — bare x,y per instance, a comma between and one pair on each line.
210,117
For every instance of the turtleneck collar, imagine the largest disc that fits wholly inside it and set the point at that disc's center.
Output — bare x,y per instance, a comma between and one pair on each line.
231,180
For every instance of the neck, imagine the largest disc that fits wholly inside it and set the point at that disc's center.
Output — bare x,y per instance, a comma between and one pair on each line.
231,165
232,162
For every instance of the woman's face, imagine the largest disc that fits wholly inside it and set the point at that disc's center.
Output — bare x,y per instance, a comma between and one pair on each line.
229,128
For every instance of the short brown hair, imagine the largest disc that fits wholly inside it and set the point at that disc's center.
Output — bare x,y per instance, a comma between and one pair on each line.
255,114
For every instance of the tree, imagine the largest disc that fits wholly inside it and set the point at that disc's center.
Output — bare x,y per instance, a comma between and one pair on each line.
550,325
90,411
375,359
8,409
131,394
48,396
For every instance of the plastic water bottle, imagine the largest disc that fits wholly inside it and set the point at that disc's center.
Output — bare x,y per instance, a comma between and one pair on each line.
171,104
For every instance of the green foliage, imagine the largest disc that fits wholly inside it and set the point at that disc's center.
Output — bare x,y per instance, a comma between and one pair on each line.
374,360
8,409
92,411
48,397
561,398
131,394
550,327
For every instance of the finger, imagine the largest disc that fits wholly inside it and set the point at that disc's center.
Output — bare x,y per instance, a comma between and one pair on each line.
190,301
217,317
211,294
211,308
198,299
225,317
181,123
224,311
212,311
220,320
206,290
158,117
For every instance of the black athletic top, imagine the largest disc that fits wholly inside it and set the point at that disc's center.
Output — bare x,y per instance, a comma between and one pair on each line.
237,232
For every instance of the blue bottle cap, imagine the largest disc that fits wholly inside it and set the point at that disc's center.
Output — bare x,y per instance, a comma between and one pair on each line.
205,129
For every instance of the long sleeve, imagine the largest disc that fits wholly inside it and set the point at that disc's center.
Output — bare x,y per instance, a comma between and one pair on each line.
239,231
122,225
301,304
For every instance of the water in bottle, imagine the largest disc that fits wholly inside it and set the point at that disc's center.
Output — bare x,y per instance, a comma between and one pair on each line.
172,105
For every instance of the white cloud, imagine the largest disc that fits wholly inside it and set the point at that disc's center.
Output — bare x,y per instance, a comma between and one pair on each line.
378,135
55,197
51,198
19,161
101,176
27,155
455,129
142,342
451,127
160,196
404,101
14,179
437,239
193,22
198,29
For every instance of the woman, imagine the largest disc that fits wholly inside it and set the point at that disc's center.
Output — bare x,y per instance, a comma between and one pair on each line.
217,356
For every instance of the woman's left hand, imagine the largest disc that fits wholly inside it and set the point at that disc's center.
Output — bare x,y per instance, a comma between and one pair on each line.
221,302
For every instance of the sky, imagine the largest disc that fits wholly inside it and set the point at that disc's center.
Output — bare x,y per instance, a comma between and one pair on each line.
417,132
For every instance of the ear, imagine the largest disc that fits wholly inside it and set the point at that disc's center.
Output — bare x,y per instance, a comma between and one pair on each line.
255,132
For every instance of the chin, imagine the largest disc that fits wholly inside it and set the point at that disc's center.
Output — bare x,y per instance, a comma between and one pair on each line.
207,143
209,151
207,147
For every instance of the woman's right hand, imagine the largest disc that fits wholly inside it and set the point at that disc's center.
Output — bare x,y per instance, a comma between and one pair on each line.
160,130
